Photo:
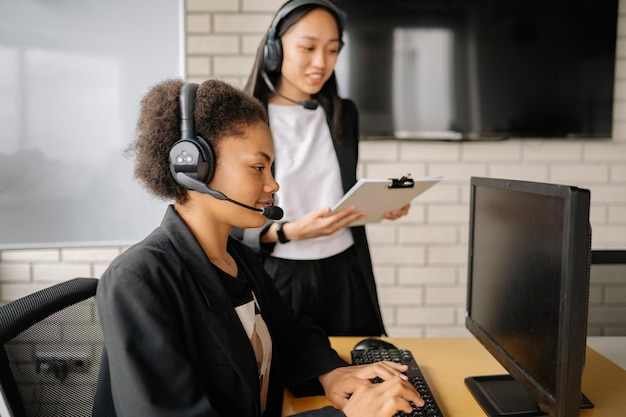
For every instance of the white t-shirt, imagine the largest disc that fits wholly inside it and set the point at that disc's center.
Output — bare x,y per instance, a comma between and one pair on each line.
307,171
261,341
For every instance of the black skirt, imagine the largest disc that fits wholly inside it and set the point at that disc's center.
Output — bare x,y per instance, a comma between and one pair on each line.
330,291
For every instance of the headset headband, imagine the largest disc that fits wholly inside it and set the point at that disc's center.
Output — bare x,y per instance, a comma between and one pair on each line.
295,4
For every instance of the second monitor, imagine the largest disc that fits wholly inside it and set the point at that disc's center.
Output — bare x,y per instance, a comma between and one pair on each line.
527,299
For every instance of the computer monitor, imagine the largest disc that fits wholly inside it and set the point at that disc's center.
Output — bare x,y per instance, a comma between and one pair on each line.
527,294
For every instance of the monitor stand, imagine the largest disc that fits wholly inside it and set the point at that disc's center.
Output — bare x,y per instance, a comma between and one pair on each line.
503,396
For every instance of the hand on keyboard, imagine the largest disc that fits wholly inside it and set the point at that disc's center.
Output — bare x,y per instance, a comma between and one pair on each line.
341,383
383,399
430,408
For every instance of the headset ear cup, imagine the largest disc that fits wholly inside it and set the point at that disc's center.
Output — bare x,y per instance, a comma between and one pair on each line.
209,154
273,56
194,158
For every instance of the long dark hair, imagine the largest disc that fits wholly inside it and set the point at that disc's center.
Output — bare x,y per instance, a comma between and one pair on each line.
327,97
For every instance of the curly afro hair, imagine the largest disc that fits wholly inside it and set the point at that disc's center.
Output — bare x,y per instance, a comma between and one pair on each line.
220,110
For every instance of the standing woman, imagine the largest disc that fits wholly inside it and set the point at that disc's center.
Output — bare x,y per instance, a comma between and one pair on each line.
320,264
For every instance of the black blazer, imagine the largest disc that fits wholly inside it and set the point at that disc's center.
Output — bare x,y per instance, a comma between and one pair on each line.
348,155
174,345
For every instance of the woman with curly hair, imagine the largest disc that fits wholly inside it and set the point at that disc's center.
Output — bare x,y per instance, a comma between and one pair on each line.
192,323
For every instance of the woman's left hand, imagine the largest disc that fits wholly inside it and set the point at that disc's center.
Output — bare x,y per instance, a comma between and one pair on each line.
394,214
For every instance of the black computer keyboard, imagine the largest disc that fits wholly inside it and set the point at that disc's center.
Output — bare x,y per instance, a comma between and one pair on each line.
430,408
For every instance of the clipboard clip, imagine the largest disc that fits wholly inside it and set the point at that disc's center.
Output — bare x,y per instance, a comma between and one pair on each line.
404,182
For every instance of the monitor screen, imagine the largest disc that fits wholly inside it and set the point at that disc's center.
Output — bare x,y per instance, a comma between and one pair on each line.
529,256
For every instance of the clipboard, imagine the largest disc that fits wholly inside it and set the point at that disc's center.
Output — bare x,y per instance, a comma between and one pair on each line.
378,196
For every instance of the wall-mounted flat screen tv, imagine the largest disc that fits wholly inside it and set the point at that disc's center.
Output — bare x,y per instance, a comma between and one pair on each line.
480,69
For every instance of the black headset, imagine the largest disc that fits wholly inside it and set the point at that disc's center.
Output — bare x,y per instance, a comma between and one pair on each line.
273,52
192,156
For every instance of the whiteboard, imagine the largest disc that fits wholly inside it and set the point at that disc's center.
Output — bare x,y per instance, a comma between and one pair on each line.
72,73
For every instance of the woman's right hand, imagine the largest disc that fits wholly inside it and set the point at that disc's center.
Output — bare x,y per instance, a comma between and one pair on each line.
382,399
321,223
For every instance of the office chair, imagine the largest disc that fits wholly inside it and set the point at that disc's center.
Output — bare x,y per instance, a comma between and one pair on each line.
51,347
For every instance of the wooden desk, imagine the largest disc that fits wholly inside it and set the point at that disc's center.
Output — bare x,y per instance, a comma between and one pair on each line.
446,362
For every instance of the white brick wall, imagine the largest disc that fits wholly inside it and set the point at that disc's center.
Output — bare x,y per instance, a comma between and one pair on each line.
423,285
24,271
607,300
420,261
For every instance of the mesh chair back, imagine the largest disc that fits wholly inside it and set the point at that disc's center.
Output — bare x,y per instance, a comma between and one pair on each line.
51,348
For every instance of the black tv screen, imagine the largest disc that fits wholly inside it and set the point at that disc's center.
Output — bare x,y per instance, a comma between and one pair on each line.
528,286
480,69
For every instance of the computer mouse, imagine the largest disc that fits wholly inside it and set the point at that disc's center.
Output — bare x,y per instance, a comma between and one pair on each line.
373,343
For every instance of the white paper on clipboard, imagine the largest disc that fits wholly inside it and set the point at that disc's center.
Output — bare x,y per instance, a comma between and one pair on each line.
376,197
